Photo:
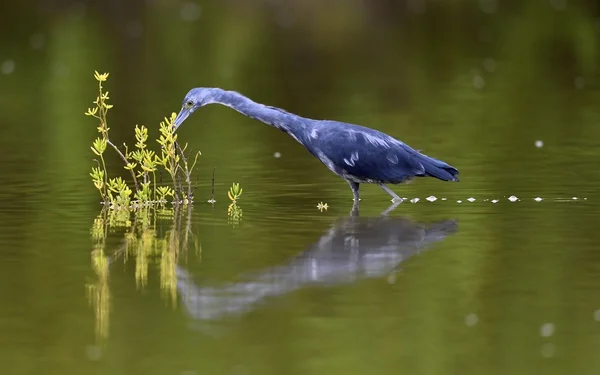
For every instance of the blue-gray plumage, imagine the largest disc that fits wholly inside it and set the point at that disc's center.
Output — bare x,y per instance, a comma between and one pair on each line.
356,153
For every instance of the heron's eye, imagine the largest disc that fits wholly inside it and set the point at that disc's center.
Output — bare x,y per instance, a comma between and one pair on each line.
189,104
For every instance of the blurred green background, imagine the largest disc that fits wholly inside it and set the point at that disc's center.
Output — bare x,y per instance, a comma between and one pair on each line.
475,83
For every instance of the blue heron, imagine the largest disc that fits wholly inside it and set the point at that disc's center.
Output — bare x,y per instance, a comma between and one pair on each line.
356,153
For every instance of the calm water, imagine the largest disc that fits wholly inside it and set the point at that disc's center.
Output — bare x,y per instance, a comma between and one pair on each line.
488,286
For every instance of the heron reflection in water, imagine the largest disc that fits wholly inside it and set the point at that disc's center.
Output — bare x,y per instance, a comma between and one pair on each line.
353,248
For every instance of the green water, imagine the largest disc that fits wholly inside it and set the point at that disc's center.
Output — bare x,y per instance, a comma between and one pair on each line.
469,287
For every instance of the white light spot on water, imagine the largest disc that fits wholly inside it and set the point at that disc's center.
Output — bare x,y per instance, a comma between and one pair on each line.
414,200
8,66
277,155
431,198
471,320
37,41
558,4
548,350
597,315
575,198
539,143
488,6
478,82
579,82
458,201
190,11
494,200
489,64
512,198
443,199
471,199
547,330
416,6
537,199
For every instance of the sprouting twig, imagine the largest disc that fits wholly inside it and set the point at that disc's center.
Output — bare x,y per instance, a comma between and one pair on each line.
186,171
125,160
212,200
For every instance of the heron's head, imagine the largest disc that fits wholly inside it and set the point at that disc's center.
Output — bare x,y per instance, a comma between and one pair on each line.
194,99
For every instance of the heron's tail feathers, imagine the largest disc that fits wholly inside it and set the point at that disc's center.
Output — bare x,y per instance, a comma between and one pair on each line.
438,169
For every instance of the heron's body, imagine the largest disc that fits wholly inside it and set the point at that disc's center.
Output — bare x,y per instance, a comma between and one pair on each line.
356,153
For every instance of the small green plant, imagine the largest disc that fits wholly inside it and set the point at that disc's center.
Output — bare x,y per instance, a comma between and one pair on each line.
234,193
234,212
141,162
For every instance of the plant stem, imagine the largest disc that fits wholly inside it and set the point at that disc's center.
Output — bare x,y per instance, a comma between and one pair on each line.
125,160
187,172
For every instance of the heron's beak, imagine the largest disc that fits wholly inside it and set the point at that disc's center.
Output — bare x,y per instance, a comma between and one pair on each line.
183,114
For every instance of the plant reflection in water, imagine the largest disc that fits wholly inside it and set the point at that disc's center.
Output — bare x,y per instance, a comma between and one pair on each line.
143,243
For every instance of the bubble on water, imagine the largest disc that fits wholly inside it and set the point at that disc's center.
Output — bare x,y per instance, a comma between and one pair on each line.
494,200
443,199
579,82
547,330
277,155
539,143
575,198
37,41
548,350
478,82
8,66
190,11
431,198
489,64
488,6
414,200
558,4
459,201
537,199
512,198
597,315
471,199
471,320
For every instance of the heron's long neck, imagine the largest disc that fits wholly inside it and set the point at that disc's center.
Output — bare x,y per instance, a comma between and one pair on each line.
276,117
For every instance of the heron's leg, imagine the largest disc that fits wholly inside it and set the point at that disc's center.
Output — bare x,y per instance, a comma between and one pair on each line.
390,208
354,186
355,209
395,197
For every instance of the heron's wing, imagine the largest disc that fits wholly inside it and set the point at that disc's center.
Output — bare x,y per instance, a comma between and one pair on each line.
365,153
